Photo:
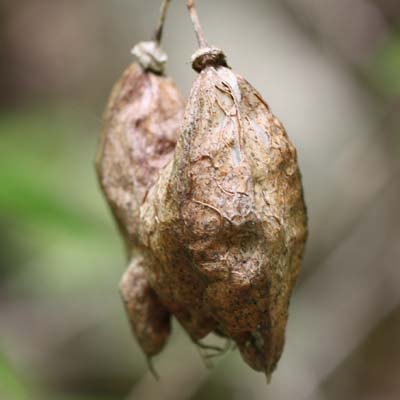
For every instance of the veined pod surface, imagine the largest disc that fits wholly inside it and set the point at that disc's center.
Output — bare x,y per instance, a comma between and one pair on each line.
149,319
141,128
224,228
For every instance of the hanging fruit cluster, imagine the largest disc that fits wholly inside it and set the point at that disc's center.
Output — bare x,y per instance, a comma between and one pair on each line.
210,197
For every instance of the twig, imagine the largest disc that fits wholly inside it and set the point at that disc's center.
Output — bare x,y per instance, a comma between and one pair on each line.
163,15
196,23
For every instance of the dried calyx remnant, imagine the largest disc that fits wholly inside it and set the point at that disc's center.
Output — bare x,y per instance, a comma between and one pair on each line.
221,230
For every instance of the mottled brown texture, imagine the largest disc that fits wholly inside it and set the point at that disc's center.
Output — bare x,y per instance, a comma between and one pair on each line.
218,217
141,127
149,319
224,228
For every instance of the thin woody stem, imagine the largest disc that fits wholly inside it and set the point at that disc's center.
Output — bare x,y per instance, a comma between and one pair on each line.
163,15
196,23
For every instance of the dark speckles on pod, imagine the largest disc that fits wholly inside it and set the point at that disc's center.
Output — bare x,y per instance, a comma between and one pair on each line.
219,219
219,216
140,131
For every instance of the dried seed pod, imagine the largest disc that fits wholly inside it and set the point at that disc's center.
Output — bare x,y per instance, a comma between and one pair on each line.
224,228
141,127
149,319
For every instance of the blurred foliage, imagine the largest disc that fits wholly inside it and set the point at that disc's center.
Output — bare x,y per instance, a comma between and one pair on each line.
53,223
49,200
11,385
386,66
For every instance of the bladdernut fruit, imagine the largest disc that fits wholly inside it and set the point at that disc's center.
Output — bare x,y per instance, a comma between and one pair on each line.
141,128
223,230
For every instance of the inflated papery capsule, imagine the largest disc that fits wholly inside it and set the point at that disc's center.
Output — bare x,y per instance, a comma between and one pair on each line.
140,132
141,128
225,226
150,321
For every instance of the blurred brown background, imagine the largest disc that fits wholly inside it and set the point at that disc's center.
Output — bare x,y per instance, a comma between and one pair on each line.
329,69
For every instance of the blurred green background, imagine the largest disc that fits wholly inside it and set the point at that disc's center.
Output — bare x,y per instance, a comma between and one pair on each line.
330,70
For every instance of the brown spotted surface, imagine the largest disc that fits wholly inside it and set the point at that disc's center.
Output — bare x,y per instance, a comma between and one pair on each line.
223,230
150,321
141,128
216,213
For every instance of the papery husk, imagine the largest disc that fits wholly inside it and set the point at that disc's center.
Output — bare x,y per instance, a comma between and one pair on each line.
141,128
149,319
223,230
